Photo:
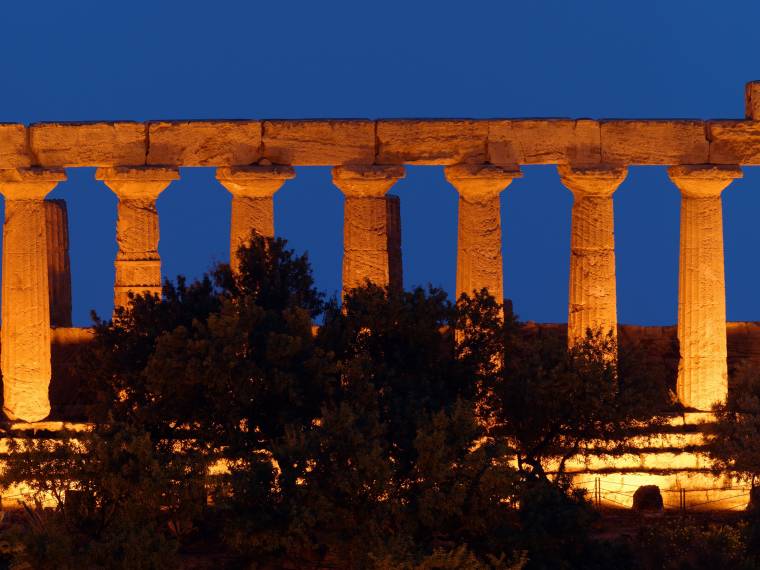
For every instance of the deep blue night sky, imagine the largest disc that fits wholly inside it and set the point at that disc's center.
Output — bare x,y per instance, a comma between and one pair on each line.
141,60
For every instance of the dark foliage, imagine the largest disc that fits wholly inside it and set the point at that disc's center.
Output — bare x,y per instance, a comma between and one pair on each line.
384,439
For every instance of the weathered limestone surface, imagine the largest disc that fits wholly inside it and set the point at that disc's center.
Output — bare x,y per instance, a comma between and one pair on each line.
59,266
544,141
13,151
252,189
366,223
752,100
319,143
734,142
88,144
661,343
432,141
138,265
654,142
25,358
593,290
702,371
479,260
204,143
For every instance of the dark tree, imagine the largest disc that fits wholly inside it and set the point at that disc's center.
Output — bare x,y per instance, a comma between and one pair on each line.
548,402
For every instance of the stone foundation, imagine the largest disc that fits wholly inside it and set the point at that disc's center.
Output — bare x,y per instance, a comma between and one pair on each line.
673,460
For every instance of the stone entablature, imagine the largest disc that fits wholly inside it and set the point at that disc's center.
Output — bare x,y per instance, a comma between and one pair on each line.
335,142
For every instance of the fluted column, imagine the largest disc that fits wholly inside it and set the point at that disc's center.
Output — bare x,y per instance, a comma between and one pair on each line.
138,265
25,359
479,259
752,100
252,189
593,291
59,266
702,370
366,225
395,261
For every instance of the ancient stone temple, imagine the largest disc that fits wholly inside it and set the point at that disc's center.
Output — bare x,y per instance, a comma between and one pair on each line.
481,158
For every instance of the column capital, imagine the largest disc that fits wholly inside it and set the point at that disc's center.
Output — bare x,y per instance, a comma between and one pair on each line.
598,181
29,183
141,182
255,181
370,181
479,182
703,180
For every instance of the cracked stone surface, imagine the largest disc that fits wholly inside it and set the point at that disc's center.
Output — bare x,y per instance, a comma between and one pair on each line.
253,189
592,290
368,225
479,259
25,355
138,265
702,369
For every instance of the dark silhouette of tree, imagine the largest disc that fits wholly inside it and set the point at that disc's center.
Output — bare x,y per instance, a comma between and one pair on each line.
548,402
406,432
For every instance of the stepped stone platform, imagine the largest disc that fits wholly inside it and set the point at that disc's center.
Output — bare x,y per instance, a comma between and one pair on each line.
671,458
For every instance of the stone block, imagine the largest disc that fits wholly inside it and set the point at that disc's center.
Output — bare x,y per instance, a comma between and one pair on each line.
432,141
13,152
734,142
88,144
319,142
204,143
544,141
647,498
654,142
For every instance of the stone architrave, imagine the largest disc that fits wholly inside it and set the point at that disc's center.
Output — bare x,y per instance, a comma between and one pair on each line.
702,370
593,291
367,228
138,265
25,359
479,260
252,189
59,266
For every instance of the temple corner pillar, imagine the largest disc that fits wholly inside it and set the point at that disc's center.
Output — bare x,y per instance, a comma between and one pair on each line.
702,370
25,344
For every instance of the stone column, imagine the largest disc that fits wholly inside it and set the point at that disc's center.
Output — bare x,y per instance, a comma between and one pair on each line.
25,359
366,226
702,370
252,189
395,261
752,100
479,261
592,292
138,265
59,266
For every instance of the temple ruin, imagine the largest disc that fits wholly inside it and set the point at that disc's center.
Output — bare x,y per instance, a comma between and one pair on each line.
254,158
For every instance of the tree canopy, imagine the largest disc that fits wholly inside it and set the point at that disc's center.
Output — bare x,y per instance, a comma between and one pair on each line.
406,431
